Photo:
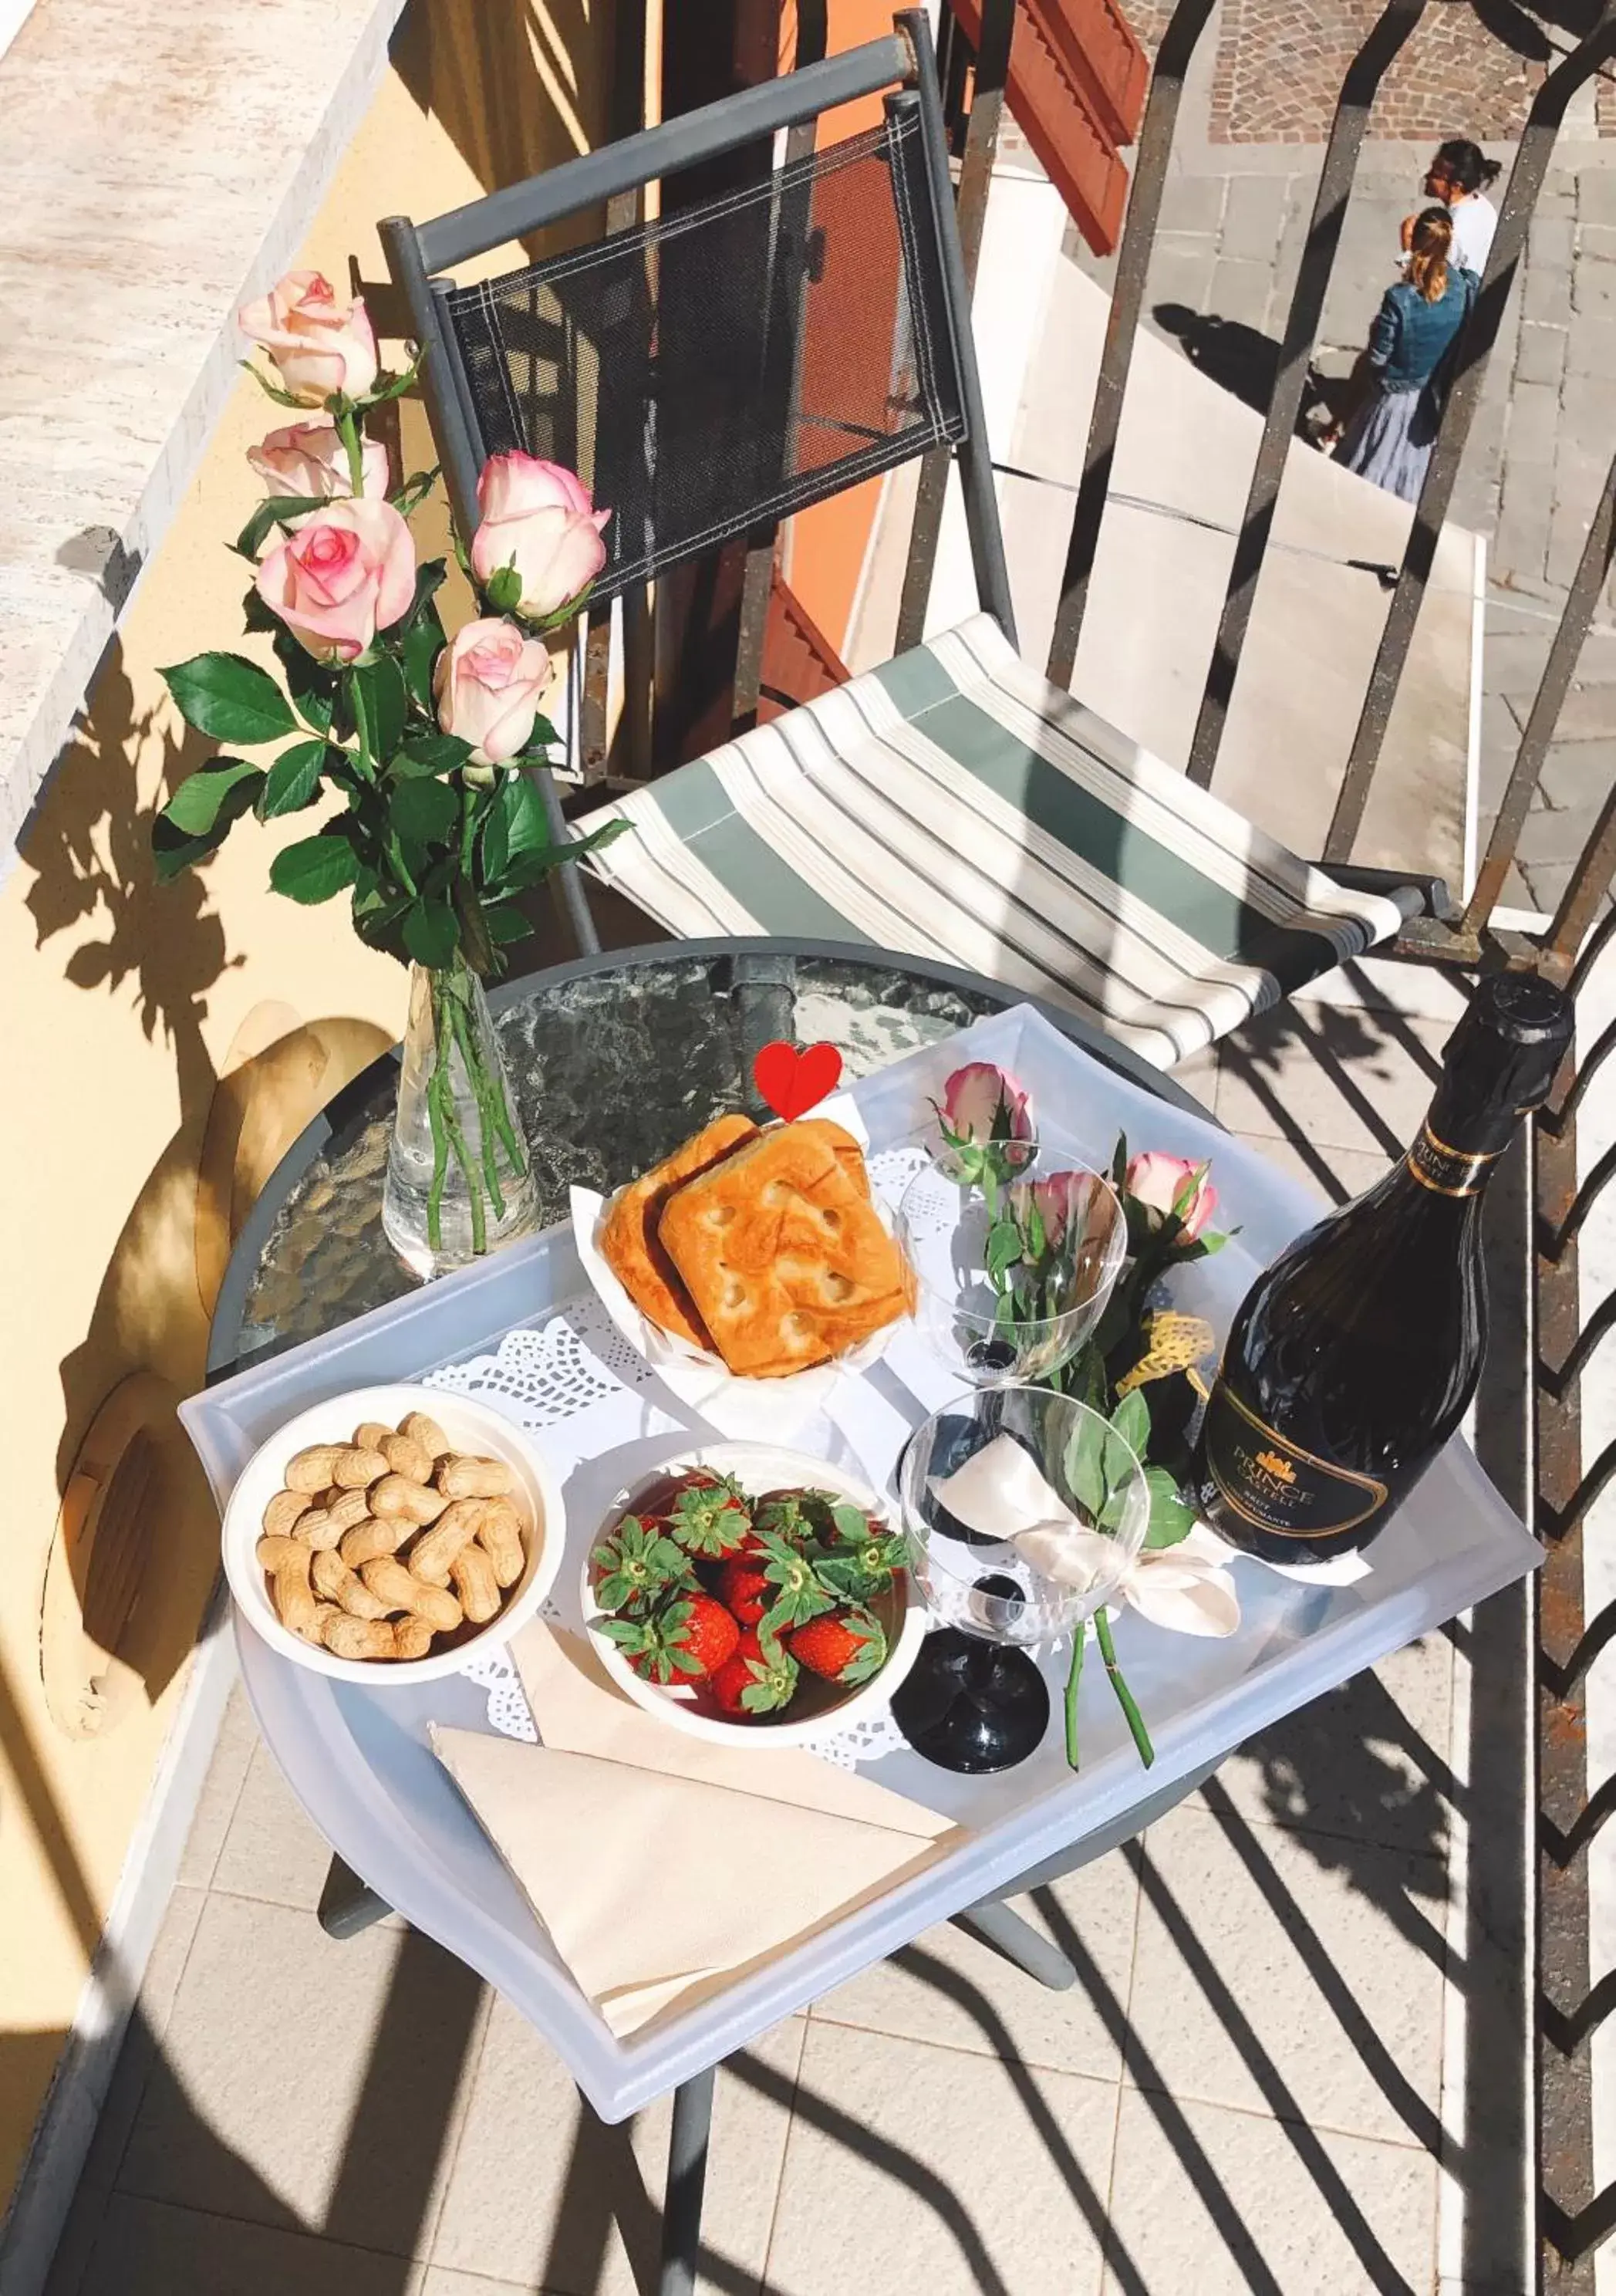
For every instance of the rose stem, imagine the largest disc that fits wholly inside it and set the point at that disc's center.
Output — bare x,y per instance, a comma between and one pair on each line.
1125,1696
441,1146
443,1025
482,1086
1080,1643
347,426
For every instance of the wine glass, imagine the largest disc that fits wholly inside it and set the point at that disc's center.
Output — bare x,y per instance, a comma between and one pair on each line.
1051,1508
1014,1260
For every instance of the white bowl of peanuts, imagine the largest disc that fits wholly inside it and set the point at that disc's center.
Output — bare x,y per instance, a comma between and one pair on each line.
379,1537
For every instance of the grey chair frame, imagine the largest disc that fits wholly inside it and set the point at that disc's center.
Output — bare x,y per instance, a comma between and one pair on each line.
419,256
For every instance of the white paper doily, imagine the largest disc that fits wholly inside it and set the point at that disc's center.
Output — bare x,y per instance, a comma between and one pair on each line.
542,1375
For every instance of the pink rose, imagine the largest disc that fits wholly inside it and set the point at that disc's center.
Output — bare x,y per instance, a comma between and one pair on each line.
319,345
1157,1182
346,571
981,1102
487,684
538,518
1068,1203
309,458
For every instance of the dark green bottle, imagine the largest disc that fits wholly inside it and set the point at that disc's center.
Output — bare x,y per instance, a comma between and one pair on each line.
1352,1359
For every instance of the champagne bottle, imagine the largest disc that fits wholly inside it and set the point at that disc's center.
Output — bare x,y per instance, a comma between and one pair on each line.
1352,1358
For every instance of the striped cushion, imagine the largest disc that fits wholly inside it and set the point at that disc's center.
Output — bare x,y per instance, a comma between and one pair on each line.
955,805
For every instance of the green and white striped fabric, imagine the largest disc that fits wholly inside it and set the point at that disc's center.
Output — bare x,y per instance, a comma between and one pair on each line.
955,805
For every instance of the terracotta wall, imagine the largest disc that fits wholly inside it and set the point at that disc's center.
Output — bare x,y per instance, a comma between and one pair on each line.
158,1048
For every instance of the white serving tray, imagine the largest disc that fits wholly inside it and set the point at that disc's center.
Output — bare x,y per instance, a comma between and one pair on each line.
359,1758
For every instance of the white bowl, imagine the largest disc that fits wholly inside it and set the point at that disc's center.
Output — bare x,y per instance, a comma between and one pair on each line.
761,1467
470,1427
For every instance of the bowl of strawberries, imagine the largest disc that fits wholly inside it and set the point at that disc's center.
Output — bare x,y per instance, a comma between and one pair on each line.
748,1593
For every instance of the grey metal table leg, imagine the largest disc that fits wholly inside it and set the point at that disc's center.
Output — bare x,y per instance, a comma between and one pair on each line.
1019,1942
686,2181
347,1903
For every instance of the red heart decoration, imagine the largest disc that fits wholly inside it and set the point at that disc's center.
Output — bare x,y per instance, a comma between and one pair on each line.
792,1081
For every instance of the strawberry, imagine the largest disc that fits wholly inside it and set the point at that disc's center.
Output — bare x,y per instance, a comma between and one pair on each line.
846,1645
693,1637
710,1517
754,1680
744,1590
637,1565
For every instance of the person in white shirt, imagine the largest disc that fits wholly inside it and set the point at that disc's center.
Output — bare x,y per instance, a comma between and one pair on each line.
1460,176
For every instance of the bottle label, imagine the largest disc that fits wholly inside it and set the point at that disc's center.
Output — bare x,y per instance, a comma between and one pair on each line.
1275,1485
1448,1171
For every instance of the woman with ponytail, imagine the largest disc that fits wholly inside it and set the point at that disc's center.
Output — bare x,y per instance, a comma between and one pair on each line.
1388,434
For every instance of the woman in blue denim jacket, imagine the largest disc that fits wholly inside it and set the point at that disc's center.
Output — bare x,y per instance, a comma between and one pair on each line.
1389,434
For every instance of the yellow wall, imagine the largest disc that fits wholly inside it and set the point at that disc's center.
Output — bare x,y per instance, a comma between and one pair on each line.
124,1005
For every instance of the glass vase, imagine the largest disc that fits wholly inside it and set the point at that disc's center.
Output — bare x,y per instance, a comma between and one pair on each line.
459,1176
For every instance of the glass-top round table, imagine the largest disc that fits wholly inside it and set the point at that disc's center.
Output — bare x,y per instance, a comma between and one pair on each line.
614,1060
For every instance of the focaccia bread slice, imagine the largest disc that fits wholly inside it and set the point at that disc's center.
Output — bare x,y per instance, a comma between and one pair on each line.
846,1150
786,1262
629,1244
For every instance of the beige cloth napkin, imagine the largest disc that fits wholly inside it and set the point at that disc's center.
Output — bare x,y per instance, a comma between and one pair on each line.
661,1866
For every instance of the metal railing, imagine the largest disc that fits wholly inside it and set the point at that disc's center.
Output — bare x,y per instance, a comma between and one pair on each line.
1573,2218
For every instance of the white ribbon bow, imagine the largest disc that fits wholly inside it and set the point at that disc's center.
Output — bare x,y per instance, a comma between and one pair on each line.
1187,1588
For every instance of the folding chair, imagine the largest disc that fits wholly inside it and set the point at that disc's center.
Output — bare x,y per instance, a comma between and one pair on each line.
717,370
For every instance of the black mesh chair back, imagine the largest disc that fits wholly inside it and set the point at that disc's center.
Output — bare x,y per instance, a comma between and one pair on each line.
709,374
719,370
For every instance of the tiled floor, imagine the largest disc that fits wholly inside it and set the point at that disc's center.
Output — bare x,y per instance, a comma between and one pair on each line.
1246,2092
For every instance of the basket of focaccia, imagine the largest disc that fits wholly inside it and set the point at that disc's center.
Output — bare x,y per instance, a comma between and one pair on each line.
749,1256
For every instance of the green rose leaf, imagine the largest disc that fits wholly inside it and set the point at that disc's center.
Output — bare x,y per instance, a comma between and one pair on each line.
1131,1420
1170,1520
1004,1248
431,934
1084,1469
380,685
229,697
276,511
195,807
431,753
315,869
423,810
294,780
311,683
173,848
505,925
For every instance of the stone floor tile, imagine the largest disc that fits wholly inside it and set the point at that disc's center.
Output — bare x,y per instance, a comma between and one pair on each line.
1513,660
1588,714
144,2038
1254,217
221,1788
1226,2204
306,2082
271,1850
1540,354
1578,773
1332,1079
1240,291
1554,839
1178,277
1369,1760
1591,346
1193,204
1294,1974
442,2281
544,2193
951,1989
913,2171
149,2248
1335,1175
